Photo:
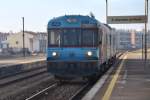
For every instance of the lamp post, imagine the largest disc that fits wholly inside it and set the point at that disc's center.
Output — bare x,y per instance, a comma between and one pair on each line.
23,36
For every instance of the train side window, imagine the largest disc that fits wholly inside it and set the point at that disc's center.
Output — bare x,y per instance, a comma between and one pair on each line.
89,37
100,33
54,37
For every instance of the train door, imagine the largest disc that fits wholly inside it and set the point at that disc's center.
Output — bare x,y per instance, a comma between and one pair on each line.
104,46
108,41
100,45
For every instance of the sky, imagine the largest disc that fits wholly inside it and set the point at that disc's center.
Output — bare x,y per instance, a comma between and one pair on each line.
37,13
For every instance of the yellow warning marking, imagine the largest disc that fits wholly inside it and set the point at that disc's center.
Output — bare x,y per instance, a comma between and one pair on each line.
113,81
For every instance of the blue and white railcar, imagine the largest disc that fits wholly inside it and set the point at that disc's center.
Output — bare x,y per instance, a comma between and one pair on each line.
78,46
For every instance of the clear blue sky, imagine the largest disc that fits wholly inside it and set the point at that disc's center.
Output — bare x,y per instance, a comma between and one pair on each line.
38,12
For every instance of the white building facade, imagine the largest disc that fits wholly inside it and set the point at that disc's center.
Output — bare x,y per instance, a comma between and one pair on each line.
32,42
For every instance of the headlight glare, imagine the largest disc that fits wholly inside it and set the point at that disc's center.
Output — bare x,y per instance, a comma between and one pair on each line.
89,53
54,54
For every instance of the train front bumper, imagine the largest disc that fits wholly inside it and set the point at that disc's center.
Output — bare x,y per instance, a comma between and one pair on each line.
73,68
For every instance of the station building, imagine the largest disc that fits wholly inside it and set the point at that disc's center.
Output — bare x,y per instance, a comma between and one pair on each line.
131,39
34,42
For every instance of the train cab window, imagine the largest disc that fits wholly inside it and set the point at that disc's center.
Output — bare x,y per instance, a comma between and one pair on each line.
71,37
89,37
54,37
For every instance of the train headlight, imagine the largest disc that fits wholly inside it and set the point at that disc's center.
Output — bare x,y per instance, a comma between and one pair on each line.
89,53
54,54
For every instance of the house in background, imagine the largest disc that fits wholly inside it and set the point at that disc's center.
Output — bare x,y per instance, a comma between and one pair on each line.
34,42
3,38
42,38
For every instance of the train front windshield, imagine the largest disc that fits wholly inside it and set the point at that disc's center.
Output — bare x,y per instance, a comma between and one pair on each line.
72,37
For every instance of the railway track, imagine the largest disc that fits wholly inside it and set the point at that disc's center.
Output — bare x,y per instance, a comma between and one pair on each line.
42,92
18,86
23,90
48,90
52,92
18,73
21,76
9,71
78,95
60,91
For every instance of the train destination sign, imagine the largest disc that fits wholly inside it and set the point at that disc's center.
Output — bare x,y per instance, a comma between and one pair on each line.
126,19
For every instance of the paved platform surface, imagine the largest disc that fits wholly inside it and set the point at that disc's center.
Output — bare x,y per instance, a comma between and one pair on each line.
129,81
20,60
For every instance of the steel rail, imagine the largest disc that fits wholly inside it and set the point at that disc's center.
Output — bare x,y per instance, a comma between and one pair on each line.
20,78
18,73
33,97
77,94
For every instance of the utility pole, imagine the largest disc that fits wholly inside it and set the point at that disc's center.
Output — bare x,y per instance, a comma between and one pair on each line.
142,46
106,19
23,36
106,10
146,15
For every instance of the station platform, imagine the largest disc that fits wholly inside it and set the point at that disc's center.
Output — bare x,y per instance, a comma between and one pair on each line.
20,60
130,80
12,66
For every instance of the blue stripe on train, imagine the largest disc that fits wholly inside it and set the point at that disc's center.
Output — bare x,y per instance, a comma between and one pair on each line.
69,54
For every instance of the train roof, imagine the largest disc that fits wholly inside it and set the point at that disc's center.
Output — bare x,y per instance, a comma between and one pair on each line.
108,26
73,21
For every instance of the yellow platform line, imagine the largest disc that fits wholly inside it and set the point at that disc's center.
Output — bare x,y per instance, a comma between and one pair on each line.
113,81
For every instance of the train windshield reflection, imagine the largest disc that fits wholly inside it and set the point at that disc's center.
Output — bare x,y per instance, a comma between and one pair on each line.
73,37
